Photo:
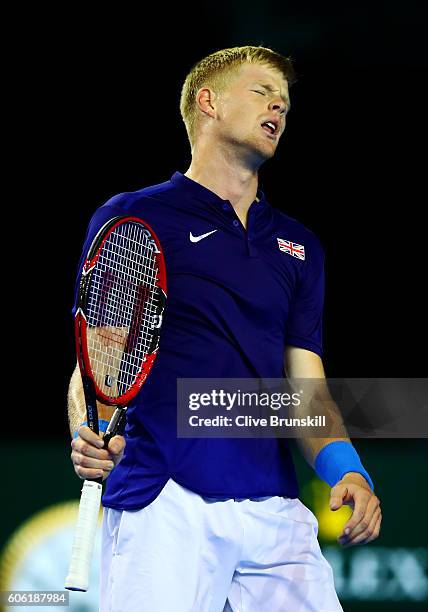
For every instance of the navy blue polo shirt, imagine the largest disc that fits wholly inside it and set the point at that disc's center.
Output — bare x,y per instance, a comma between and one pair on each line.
236,298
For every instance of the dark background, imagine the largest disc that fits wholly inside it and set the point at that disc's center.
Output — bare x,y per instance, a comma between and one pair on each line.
98,114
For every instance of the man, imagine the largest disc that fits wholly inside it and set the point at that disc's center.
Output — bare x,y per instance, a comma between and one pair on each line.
211,524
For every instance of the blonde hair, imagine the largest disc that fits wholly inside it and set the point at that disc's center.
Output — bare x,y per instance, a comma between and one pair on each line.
213,70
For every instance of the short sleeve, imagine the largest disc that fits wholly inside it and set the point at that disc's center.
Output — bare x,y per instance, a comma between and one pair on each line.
304,324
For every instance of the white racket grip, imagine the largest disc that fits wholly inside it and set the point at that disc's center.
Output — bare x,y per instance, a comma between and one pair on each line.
84,537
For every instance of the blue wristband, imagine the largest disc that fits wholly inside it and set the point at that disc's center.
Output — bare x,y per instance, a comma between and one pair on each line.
337,459
102,425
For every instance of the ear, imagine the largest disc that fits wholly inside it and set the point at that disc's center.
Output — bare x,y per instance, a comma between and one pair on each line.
205,99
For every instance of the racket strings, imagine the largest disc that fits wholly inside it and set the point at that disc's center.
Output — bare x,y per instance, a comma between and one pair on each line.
122,308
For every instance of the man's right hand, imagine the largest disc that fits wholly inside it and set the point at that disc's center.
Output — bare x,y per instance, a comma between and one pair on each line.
90,459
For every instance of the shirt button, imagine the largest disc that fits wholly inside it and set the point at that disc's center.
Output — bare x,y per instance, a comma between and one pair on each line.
225,206
236,222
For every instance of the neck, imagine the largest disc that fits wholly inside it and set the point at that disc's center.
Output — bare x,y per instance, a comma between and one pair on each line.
224,174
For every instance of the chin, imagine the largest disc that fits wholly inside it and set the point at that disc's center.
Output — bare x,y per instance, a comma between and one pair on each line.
267,152
267,149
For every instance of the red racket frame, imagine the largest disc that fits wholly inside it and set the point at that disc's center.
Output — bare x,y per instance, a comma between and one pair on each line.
80,318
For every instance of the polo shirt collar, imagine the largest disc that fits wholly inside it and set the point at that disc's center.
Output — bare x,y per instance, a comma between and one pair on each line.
200,192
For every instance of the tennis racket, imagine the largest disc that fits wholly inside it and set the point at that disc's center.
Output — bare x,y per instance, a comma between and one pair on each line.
121,299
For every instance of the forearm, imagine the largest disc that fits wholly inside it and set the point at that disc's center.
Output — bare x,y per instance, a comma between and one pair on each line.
305,371
76,402
334,456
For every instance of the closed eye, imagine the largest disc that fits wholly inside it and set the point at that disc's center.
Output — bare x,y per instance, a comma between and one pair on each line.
262,93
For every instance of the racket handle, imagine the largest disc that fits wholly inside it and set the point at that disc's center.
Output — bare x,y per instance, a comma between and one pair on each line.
84,537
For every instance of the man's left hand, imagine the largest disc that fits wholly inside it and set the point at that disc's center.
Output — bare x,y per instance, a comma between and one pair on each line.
364,525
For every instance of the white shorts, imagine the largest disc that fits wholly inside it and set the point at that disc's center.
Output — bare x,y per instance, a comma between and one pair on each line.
187,553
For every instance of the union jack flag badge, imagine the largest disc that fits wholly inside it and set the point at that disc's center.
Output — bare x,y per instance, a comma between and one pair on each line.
292,248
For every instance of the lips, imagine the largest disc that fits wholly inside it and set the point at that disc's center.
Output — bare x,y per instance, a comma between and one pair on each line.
270,126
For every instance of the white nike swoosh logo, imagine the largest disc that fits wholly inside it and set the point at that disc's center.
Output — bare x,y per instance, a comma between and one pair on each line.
201,237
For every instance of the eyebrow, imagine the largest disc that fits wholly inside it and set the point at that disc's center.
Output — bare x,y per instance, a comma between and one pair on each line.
272,90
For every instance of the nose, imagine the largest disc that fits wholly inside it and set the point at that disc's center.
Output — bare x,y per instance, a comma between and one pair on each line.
278,104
